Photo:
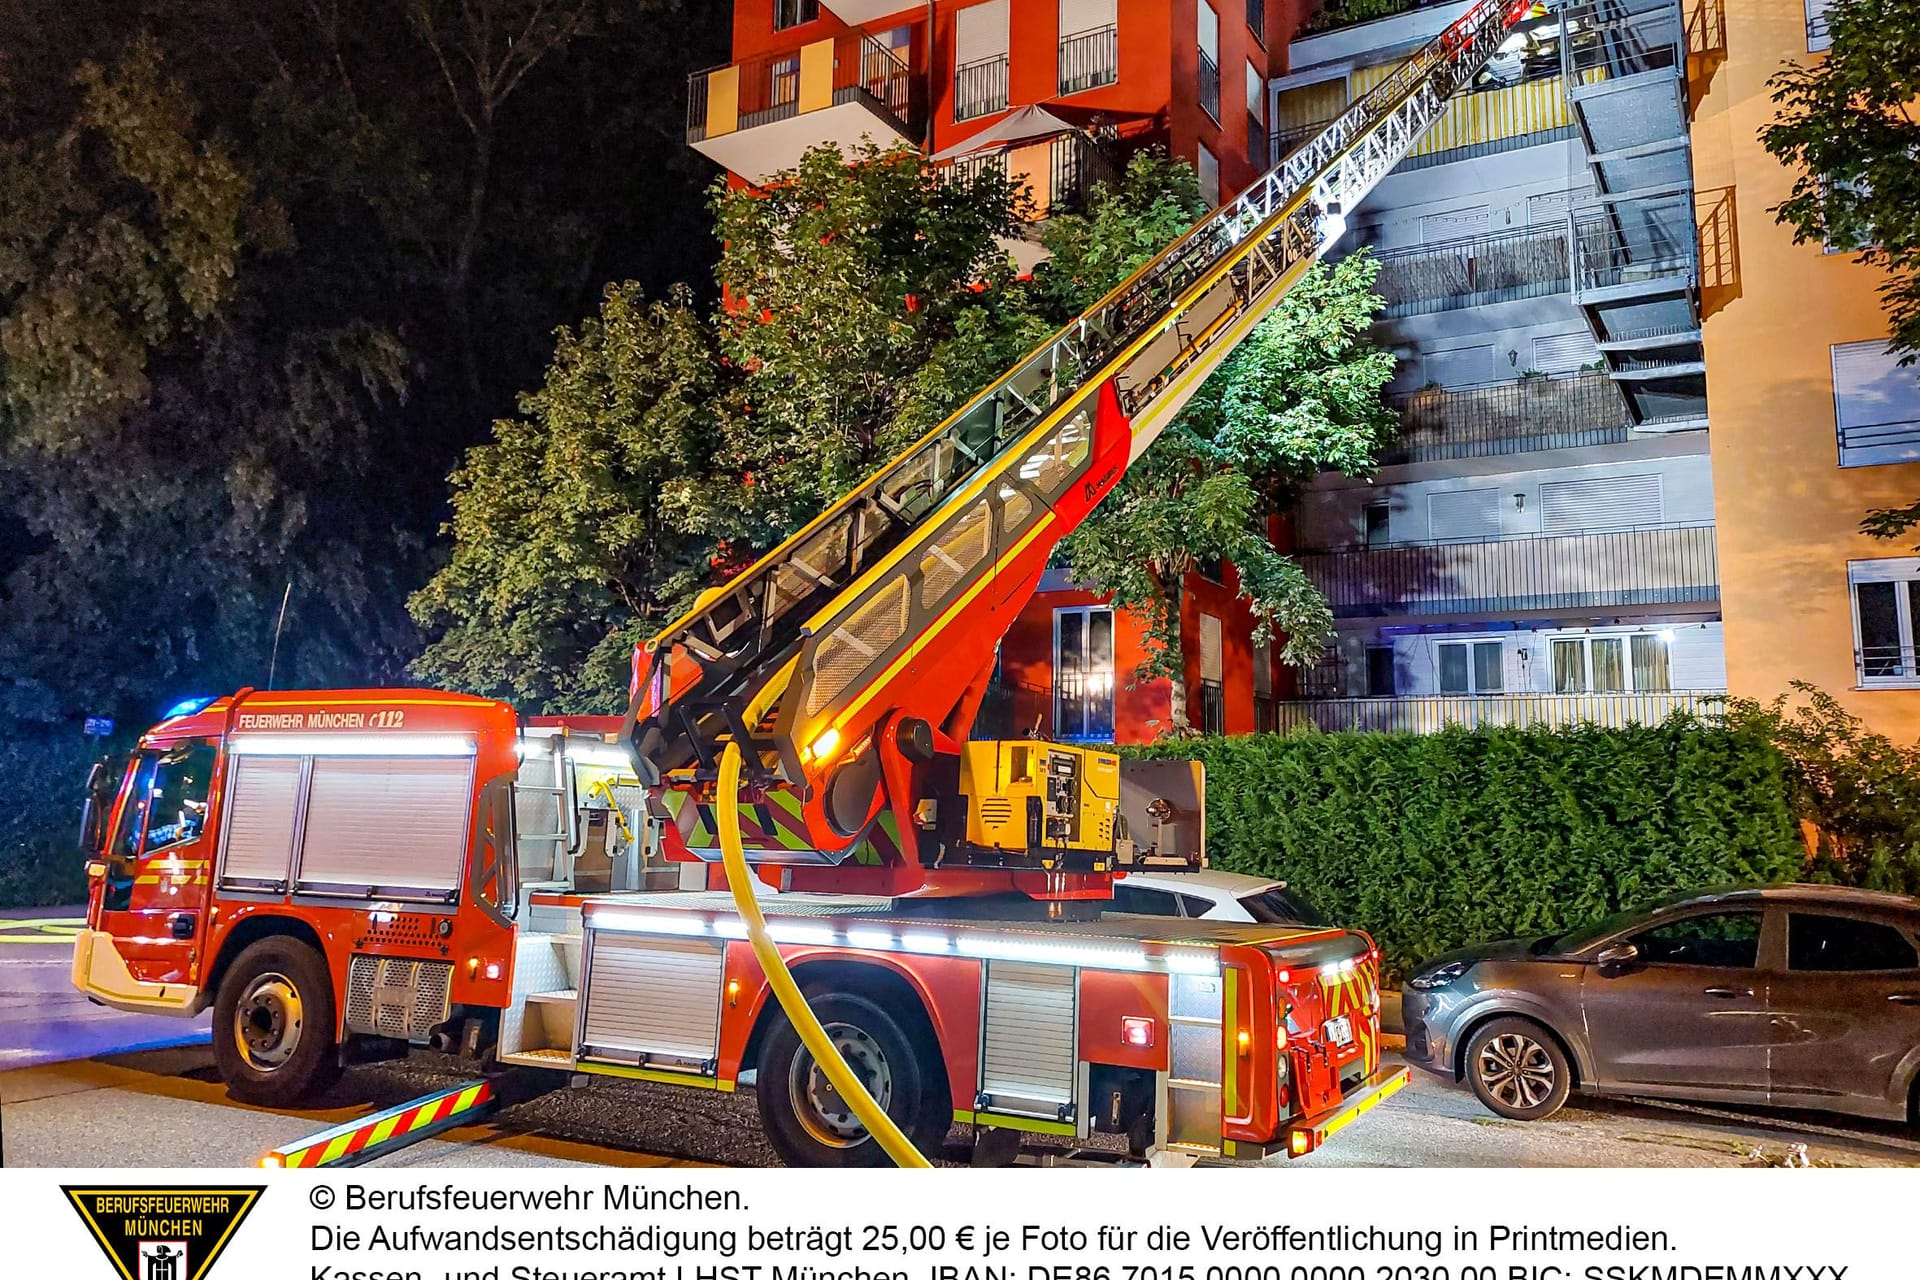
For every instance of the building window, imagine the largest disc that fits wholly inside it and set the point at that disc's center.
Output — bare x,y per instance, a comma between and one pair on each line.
1209,35
1876,405
1089,45
1817,35
1083,674
792,13
1213,674
1257,20
1380,671
980,60
1637,663
1213,708
1886,596
1209,167
1257,152
1470,667
1378,518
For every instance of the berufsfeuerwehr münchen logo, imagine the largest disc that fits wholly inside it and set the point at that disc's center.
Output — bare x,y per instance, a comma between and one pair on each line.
163,1233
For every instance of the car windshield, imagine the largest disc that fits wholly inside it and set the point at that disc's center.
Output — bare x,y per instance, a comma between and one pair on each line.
1580,939
1277,904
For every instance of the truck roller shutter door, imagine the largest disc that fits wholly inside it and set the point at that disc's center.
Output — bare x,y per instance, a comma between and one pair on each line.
650,997
398,824
262,807
1028,1058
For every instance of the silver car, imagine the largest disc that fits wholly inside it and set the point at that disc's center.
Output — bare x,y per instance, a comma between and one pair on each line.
1795,996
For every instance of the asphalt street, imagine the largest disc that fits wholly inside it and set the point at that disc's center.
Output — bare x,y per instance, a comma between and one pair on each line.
89,1088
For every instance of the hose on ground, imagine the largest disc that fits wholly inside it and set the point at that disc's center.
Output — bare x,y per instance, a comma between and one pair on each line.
780,978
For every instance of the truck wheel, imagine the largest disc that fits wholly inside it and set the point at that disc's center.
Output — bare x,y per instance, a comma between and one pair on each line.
273,1023
1518,1069
809,1123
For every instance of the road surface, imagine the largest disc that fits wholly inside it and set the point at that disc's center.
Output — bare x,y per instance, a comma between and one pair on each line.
89,1088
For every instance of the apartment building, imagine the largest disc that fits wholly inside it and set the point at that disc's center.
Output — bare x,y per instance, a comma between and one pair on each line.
1054,93
1540,544
1814,422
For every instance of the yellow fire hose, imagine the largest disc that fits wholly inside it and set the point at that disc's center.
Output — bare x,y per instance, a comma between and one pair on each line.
812,1034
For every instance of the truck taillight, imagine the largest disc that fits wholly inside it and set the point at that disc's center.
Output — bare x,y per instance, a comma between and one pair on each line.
1136,1033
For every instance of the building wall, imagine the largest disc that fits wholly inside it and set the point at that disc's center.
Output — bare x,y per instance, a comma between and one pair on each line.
1788,514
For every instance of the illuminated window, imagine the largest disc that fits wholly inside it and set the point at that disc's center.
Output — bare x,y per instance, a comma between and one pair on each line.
1083,674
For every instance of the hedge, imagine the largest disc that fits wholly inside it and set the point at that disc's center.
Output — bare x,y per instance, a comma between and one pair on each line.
1430,842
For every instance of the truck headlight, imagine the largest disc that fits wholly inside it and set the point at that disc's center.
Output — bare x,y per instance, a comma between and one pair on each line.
1444,976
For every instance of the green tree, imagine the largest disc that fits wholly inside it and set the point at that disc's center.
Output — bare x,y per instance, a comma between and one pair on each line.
866,297
1846,124
564,552
1301,392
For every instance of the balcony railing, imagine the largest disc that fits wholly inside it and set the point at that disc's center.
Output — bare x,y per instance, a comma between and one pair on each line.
980,88
1075,165
762,90
1472,272
1089,59
1636,240
1430,714
1514,417
1880,442
1209,87
1613,43
1652,565
1013,709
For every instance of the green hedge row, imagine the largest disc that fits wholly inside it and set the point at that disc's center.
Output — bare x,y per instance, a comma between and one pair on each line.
1430,842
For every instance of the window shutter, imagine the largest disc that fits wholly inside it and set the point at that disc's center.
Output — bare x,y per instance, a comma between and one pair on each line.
1608,502
1462,514
1462,367
1437,228
980,32
1078,16
261,810
1564,352
1212,660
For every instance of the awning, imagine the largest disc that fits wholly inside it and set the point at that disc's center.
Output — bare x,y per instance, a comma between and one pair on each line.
1025,125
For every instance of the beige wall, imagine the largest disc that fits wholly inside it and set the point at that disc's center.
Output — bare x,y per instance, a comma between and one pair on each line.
1788,514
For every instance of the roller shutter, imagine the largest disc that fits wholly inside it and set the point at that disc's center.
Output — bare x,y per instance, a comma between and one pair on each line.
262,809
1027,1060
1606,502
396,823
650,996
1463,514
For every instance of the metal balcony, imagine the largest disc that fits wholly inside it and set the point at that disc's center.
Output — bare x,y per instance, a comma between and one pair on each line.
1089,59
1209,87
1515,417
980,88
1636,278
758,117
1472,272
1060,172
1432,713
1654,565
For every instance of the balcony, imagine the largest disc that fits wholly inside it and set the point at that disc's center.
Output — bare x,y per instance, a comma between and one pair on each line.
1209,87
1013,709
1653,565
1472,272
758,117
1089,60
1516,417
1431,714
1059,173
1637,280
980,88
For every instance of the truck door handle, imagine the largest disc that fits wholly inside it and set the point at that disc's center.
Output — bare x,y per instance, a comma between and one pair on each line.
183,927
1904,997
1728,993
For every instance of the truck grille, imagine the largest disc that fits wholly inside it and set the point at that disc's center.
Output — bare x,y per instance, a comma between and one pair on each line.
402,999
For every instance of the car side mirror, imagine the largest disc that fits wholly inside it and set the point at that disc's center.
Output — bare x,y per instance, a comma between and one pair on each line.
1617,959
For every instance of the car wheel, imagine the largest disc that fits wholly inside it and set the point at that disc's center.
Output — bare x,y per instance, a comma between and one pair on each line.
807,1121
1518,1070
273,1025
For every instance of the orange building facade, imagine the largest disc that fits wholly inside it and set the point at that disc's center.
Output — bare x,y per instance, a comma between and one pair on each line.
1813,421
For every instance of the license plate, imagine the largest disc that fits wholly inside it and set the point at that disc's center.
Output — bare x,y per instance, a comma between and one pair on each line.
1340,1031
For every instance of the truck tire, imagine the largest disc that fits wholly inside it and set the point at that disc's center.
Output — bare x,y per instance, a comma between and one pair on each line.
273,1021
1518,1069
807,1122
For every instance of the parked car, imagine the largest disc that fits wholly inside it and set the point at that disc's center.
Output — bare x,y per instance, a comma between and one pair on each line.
1212,895
1793,996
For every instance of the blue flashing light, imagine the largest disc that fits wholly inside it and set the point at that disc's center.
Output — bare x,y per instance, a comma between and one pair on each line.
187,706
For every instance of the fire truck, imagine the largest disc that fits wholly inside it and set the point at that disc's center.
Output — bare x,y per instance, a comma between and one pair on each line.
344,875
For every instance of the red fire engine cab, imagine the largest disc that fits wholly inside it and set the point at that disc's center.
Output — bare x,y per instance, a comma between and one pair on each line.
339,874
